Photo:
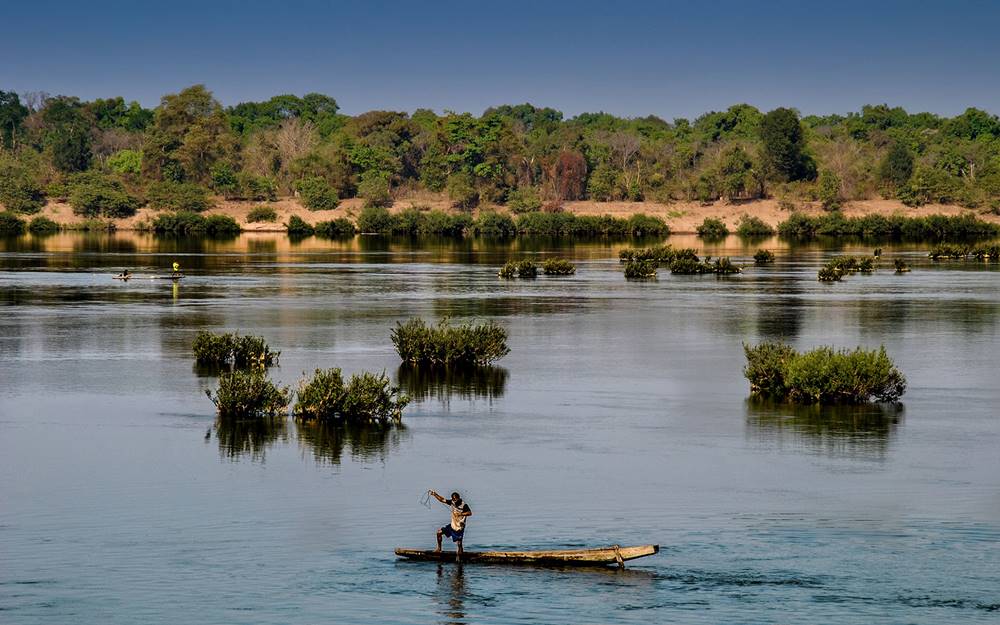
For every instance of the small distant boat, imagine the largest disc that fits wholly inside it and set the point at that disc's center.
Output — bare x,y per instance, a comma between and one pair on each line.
602,556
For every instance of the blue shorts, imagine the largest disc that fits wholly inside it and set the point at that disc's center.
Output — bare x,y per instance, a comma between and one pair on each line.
453,534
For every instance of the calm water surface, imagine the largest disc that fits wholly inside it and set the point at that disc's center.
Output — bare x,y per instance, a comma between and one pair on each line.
620,416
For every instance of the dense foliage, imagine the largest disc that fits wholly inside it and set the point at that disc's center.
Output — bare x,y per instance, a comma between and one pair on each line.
518,269
822,375
188,223
249,394
711,228
446,344
558,267
893,227
11,223
523,156
262,213
365,398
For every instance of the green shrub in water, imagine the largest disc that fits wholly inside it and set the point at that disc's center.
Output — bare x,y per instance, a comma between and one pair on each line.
249,394
262,213
763,257
232,349
901,267
640,269
365,398
518,269
712,228
947,250
443,344
558,267
827,273
823,375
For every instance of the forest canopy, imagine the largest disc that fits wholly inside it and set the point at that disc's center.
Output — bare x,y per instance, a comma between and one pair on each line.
520,155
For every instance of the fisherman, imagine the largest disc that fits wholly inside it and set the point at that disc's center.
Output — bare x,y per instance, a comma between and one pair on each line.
125,274
455,530
177,268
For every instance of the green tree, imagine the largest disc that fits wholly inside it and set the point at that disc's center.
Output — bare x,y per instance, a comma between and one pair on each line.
189,135
67,134
784,146
896,168
12,114
829,190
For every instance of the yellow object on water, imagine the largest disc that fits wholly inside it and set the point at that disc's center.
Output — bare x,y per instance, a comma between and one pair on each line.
177,267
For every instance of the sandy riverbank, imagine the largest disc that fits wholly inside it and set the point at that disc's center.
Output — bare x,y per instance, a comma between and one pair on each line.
683,217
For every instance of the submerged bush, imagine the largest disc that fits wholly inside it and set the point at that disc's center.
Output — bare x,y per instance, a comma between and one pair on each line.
901,266
840,266
10,223
661,254
518,269
753,227
822,375
558,267
297,227
232,349
712,228
249,394
640,269
336,228
417,342
262,213
188,223
763,257
366,398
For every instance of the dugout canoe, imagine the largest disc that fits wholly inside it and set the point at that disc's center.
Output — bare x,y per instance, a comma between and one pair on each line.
601,556
148,277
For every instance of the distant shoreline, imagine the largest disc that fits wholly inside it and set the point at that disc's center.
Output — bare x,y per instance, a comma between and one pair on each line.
682,217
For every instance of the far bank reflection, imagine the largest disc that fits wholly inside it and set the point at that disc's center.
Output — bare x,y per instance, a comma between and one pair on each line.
855,432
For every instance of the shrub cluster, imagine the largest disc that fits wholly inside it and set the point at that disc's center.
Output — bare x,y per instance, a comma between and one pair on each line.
93,195
262,213
297,227
823,375
901,266
494,225
640,269
661,254
335,228
445,344
558,267
232,349
524,200
19,193
763,257
178,196
365,398
42,225
569,224
249,394
712,228
840,266
518,269
695,266
958,252
317,194
895,227
189,223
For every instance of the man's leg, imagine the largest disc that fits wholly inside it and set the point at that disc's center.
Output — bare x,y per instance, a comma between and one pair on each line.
458,555
439,540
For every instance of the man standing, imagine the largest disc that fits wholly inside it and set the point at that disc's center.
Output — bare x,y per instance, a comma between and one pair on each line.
460,512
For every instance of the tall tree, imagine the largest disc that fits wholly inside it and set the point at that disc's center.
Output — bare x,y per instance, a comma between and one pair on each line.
12,114
67,133
897,167
190,133
784,146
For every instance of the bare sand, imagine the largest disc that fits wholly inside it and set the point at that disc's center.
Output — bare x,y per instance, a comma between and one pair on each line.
682,217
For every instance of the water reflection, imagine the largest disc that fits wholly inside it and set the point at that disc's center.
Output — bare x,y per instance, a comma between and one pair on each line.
363,442
248,437
450,596
855,432
424,382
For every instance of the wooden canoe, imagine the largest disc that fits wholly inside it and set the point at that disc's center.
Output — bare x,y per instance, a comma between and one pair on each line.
601,556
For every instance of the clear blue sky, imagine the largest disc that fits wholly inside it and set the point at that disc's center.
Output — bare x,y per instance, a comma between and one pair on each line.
626,57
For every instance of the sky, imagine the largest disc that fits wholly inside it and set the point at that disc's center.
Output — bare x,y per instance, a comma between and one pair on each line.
626,57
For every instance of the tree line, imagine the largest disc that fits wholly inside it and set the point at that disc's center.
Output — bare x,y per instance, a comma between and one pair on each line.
109,156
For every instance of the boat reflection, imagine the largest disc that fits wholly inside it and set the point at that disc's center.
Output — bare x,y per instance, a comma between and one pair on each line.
366,442
426,382
240,438
858,432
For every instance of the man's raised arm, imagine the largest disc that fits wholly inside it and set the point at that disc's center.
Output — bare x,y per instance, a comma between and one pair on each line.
438,497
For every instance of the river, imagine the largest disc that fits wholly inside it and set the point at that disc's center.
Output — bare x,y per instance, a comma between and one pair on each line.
619,416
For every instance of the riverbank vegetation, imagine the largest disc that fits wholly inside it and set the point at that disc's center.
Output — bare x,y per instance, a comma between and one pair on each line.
366,398
232,350
446,344
800,226
182,223
530,159
949,251
823,375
